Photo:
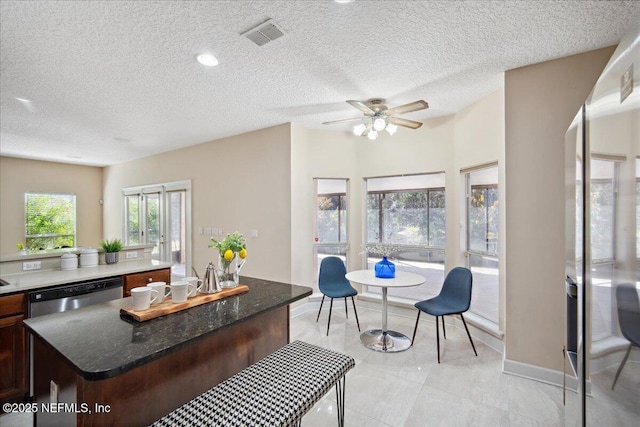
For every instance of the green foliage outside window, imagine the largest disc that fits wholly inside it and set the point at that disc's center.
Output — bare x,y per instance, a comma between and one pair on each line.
50,220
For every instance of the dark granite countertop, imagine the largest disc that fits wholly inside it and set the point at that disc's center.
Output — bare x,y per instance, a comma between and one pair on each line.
101,343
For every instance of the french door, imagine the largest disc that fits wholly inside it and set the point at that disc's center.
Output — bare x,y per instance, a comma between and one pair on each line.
161,215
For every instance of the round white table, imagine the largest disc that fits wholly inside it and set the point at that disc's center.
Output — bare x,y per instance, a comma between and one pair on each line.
382,339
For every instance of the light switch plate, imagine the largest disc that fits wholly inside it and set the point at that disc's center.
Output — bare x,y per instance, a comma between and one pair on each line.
31,265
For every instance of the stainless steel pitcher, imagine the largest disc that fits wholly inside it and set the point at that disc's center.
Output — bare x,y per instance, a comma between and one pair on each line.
210,284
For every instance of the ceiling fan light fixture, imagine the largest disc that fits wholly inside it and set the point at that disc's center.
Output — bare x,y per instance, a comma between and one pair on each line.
372,135
358,130
379,124
391,128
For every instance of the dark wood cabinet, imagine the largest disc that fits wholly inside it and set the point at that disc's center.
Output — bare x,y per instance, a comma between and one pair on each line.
13,348
142,279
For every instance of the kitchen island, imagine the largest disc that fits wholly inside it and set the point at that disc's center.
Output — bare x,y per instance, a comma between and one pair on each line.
112,370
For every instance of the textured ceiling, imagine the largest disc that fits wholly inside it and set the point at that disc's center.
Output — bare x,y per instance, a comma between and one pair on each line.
111,81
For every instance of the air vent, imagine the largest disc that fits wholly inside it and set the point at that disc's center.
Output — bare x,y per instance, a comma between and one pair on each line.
264,33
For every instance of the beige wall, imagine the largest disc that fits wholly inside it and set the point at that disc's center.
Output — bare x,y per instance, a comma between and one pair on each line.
540,103
238,183
18,176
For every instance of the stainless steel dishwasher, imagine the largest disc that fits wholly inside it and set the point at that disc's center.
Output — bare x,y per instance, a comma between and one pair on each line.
70,297
76,295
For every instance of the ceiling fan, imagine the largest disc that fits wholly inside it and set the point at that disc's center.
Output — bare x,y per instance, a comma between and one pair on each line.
378,117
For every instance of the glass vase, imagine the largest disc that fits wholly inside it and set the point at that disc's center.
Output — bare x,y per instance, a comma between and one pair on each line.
229,271
385,269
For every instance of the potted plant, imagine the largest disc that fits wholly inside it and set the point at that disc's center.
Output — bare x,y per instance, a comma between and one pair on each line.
21,248
233,252
111,248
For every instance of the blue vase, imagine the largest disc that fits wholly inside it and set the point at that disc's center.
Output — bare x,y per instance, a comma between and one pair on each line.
385,269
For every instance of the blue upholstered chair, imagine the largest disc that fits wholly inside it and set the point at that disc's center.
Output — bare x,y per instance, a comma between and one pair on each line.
628,319
454,298
333,284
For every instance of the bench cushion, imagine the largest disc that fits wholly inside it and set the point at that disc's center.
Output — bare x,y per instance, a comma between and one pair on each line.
275,391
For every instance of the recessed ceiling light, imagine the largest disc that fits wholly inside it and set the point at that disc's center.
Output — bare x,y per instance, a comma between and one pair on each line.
26,103
208,60
343,1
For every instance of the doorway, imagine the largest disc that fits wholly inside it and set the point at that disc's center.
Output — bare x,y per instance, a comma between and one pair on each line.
161,215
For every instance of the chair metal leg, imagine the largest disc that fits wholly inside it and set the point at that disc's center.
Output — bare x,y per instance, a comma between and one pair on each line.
413,338
329,321
468,334
444,331
346,312
321,302
355,311
626,356
438,338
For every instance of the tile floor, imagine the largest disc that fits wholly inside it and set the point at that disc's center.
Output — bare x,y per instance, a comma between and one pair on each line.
411,389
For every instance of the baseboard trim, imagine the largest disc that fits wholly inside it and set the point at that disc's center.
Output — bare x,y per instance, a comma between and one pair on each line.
540,374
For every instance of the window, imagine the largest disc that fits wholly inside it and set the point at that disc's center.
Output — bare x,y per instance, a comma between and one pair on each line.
409,212
50,220
482,231
331,220
603,212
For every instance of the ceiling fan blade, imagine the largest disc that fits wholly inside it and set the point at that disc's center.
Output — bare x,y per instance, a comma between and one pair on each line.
342,121
408,108
411,124
362,107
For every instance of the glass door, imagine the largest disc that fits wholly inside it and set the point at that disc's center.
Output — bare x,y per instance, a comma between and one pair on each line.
161,215
153,230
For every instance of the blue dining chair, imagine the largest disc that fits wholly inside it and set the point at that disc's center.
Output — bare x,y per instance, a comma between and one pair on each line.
333,284
628,319
454,298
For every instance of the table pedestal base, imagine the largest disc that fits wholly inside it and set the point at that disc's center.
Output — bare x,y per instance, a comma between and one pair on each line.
386,342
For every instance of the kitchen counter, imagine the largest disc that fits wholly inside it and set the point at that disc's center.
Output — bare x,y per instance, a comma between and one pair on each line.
100,343
31,280
96,356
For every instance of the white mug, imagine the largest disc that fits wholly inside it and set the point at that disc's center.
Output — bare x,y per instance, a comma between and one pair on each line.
142,297
161,287
195,282
180,291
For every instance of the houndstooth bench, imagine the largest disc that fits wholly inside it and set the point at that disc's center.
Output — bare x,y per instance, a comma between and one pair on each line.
275,391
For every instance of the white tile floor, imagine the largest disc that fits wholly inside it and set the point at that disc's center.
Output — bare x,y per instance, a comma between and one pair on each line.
411,389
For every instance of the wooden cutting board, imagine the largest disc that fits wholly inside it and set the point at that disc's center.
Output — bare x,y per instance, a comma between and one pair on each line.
168,306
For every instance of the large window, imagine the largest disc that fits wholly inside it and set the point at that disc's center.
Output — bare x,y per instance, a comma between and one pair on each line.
482,231
50,220
330,225
408,212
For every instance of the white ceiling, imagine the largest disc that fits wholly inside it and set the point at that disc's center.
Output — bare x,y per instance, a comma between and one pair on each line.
97,72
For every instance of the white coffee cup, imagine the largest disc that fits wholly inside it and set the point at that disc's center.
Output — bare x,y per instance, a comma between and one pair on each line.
180,291
143,297
195,282
162,288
